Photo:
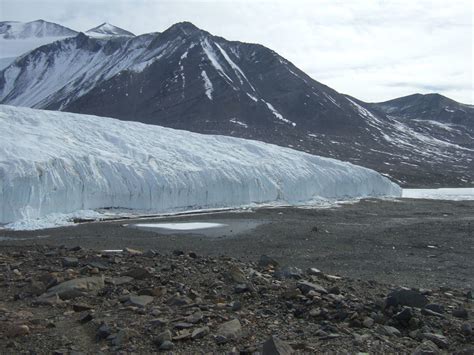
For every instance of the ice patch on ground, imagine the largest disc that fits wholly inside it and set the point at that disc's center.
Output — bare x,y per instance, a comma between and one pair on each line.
455,194
185,226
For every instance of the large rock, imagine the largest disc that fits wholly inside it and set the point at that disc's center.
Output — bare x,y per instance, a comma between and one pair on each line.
266,262
76,288
230,330
404,297
139,301
306,286
438,339
275,346
237,275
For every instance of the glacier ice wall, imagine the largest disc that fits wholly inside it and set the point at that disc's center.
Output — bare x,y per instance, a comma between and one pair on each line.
62,162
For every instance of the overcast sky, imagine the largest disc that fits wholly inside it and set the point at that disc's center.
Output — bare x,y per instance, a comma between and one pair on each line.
372,49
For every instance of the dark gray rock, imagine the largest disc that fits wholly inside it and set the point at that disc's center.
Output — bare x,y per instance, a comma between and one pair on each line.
200,332
70,262
139,301
289,272
466,329
435,308
138,273
403,297
460,313
75,288
404,316
230,330
306,286
276,346
104,331
440,340
166,345
266,262
390,331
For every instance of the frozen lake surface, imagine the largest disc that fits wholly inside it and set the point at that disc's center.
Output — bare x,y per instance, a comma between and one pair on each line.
217,228
454,194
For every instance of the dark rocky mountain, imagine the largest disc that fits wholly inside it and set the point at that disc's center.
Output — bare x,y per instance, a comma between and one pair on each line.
433,107
189,79
106,29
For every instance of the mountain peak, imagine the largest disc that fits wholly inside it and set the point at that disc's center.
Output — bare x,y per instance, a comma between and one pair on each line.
33,29
107,30
185,27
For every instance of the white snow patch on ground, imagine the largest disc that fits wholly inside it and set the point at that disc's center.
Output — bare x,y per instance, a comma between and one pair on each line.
57,162
207,85
180,226
455,194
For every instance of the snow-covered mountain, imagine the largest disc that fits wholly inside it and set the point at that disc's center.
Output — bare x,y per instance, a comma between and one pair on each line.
108,30
17,38
54,162
187,78
36,29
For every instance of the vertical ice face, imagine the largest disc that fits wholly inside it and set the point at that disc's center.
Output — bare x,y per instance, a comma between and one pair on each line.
61,162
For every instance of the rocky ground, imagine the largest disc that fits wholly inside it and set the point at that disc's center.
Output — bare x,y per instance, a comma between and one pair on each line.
73,300
414,243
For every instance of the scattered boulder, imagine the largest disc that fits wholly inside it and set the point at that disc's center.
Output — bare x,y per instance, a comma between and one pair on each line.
230,330
405,297
427,348
440,340
76,288
391,331
138,273
17,330
289,272
435,308
163,336
200,333
306,287
237,275
275,346
166,345
460,313
266,262
70,262
103,331
139,301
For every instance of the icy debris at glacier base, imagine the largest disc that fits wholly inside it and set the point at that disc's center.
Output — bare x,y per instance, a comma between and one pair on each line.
56,162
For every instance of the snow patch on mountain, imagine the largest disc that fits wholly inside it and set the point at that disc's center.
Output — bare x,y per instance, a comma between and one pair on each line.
240,74
108,30
207,85
35,29
212,56
278,114
55,162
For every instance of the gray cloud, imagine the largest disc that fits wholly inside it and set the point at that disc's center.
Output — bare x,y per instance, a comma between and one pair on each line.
363,48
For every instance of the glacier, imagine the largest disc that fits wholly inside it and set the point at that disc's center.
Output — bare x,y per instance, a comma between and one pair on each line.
57,162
